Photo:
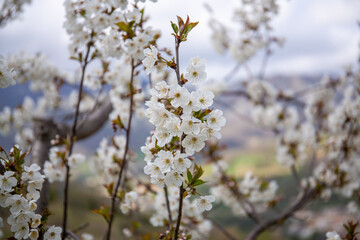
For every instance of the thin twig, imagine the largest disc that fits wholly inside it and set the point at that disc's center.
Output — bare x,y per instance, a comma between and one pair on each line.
296,175
248,207
181,194
177,69
181,189
264,62
150,81
124,159
81,227
222,229
305,197
168,205
71,139
232,72
72,235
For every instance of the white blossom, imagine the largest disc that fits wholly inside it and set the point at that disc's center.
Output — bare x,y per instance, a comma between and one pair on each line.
196,71
53,233
7,182
6,75
204,203
332,236
151,56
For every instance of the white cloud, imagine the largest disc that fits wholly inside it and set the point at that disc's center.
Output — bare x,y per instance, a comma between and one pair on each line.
321,35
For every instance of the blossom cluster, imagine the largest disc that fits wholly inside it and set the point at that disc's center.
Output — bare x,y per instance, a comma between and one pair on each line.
128,202
109,156
182,119
294,136
194,222
254,18
43,76
19,119
95,21
240,194
19,191
306,126
341,170
10,10
54,169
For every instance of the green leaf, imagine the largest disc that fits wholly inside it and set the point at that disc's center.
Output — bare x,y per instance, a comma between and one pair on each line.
263,186
123,26
118,122
198,182
180,21
135,224
103,211
174,27
189,27
189,176
45,215
198,172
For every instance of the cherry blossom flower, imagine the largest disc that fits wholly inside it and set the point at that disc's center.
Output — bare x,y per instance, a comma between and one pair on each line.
151,56
6,75
7,182
53,233
204,203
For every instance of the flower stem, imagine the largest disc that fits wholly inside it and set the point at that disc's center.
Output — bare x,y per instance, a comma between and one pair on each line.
168,205
71,138
124,159
177,70
181,194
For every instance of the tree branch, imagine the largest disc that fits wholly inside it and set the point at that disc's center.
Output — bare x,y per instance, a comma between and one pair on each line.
92,123
168,205
124,159
71,138
177,69
44,131
181,196
305,197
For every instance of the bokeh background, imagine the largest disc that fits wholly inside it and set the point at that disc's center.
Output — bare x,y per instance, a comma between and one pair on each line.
322,37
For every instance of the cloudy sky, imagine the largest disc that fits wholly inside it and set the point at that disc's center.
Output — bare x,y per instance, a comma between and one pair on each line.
322,35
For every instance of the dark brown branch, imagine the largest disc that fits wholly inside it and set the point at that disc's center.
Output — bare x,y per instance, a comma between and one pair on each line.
181,189
92,123
2,169
181,196
44,131
168,205
305,197
124,159
71,139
